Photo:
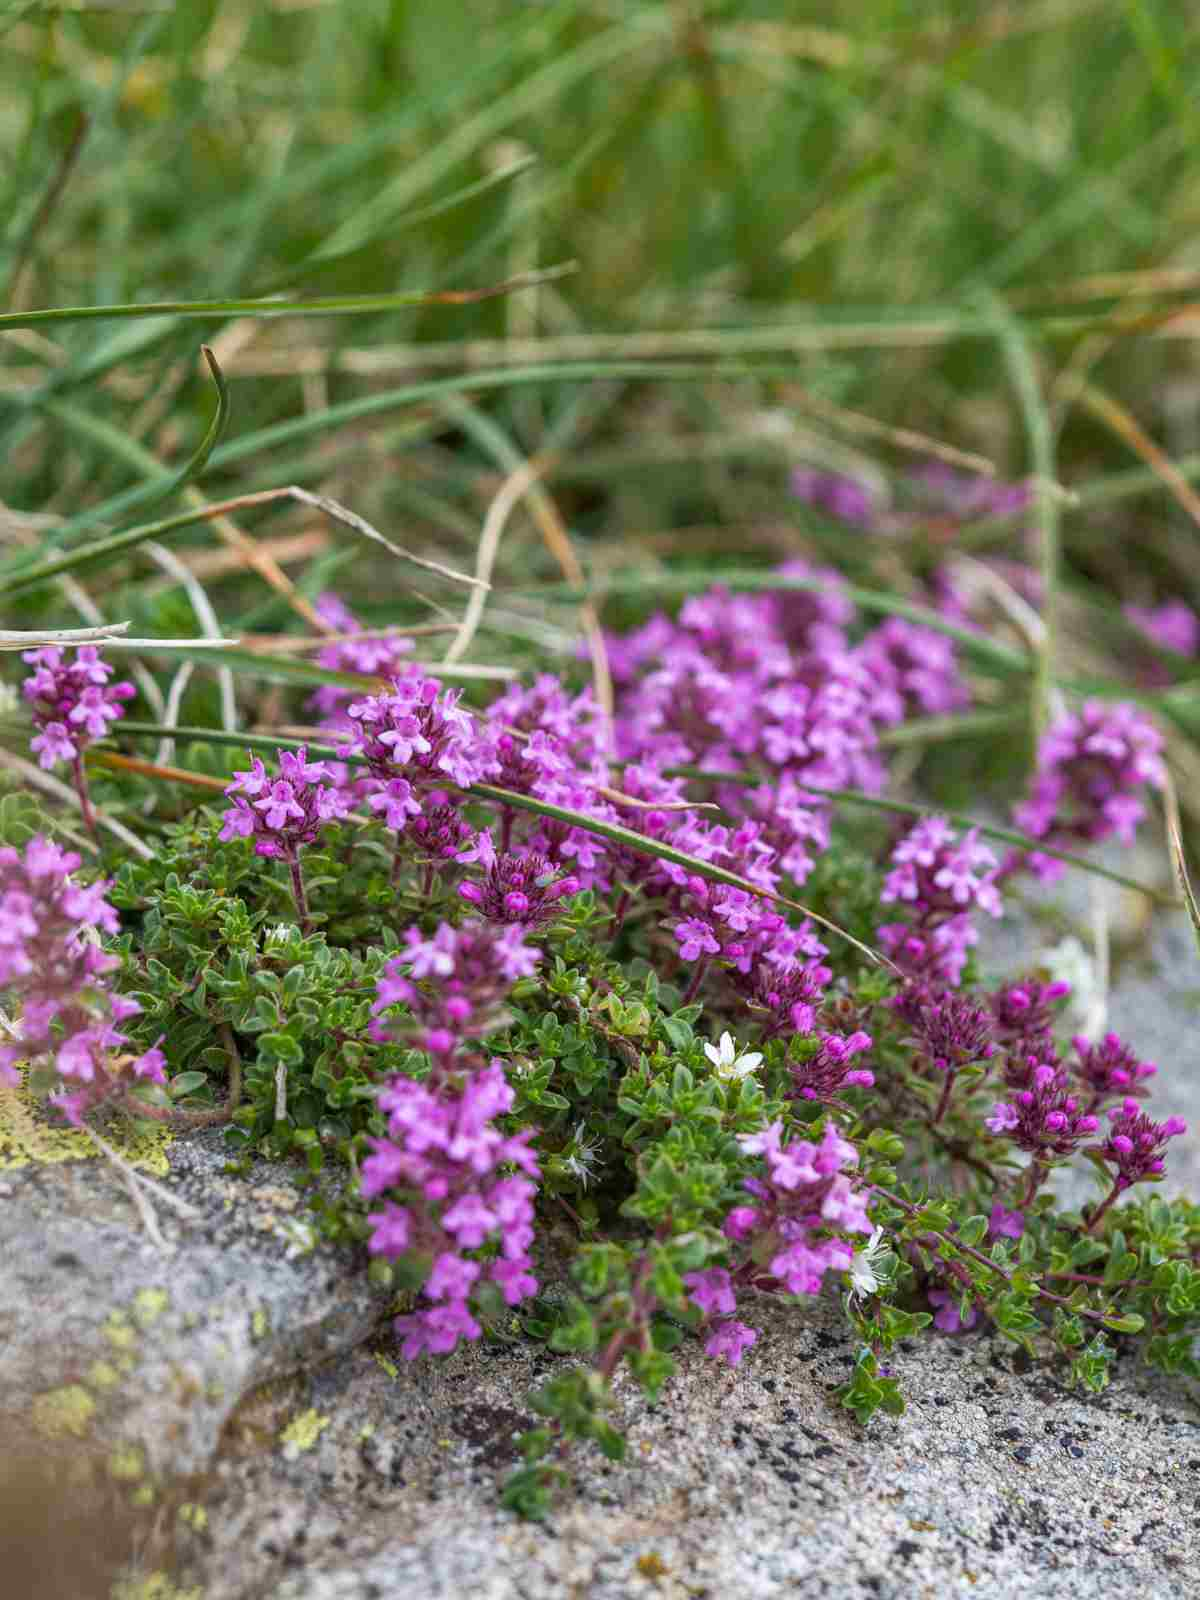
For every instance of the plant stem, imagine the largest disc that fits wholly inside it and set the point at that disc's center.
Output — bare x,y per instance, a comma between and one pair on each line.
85,798
1112,1194
947,1091
693,988
1034,1180
201,1119
298,894
934,1237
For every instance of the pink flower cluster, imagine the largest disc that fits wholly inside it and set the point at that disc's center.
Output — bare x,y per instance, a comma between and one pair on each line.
452,983
942,879
1022,1018
1089,769
807,1192
831,1068
524,890
282,814
416,733
1135,1144
1047,1119
55,971
712,1293
72,701
444,1168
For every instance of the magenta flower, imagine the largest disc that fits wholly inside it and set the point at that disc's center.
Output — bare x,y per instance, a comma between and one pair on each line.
58,976
943,880
453,982
1004,1224
524,890
448,1166
72,701
1090,768
947,1315
282,814
417,732
1135,1144
1110,1068
729,1341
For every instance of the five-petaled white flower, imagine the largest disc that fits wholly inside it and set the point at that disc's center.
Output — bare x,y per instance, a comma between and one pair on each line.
728,1062
864,1278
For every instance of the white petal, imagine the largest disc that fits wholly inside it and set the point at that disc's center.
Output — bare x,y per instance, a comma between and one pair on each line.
713,1054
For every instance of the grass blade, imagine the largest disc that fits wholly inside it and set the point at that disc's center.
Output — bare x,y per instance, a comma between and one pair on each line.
337,305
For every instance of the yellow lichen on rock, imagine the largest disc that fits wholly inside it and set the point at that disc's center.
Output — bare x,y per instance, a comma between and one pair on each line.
64,1412
32,1136
303,1432
154,1586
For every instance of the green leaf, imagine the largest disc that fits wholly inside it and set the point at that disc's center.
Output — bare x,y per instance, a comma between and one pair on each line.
187,1083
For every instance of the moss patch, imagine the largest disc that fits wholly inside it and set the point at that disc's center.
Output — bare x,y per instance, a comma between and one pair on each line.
31,1135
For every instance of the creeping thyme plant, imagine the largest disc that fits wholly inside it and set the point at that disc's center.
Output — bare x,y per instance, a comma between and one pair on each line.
514,980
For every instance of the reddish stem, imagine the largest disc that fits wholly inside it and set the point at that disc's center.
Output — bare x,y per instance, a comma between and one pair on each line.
1112,1194
693,988
85,798
947,1091
298,894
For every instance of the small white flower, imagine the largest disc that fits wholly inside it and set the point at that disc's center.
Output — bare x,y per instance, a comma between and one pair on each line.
727,1061
864,1278
581,1160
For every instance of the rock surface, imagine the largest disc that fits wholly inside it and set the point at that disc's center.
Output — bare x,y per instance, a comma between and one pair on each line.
242,1384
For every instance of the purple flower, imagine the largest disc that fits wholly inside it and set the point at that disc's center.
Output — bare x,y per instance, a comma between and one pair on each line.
1089,769
72,701
711,1291
524,890
831,1068
417,732
942,879
696,939
1004,1224
1110,1068
282,814
447,1161
947,1315
1022,1018
58,977
1046,1119
848,499
1135,1144
469,971
806,1194
917,667
953,1031
729,1341
1172,625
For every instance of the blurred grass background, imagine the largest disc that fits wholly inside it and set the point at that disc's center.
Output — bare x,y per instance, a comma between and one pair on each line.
798,229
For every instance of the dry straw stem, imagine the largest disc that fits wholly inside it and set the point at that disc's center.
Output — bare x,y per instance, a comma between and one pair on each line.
504,501
1117,418
102,633
902,438
1179,855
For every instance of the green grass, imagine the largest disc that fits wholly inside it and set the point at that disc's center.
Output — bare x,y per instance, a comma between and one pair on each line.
786,218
